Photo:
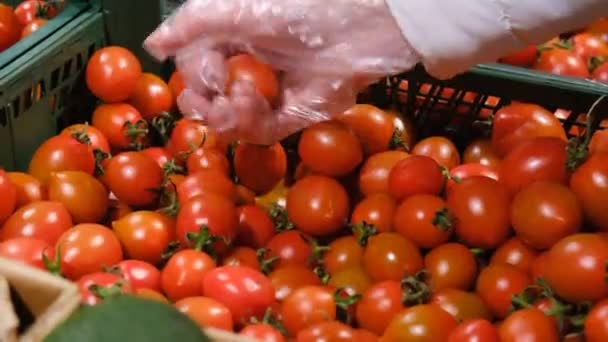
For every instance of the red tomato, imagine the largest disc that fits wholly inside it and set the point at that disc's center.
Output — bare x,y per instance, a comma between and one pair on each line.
245,67
290,248
464,171
10,28
187,136
344,252
524,58
424,323
85,197
117,121
9,193
461,304
29,189
518,121
373,176
262,332
424,220
159,154
330,148
206,182
497,283
379,304
317,205
481,152
30,10
329,330
587,45
450,265
206,312
539,265
532,323
113,284
575,268
599,142
140,274
307,306
596,323
183,274
246,292
151,96
176,84
33,27
97,139
476,330
61,153
242,256
415,175
27,250
373,126
208,158
44,220
600,73
112,73
86,248
145,235
590,184
377,209
390,256
260,168
516,253
287,279
352,281
561,62
255,226
442,150
134,178
543,213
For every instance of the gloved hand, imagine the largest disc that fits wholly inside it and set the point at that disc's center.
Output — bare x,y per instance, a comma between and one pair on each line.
326,51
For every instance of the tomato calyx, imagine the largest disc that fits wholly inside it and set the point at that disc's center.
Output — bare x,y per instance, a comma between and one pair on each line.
596,61
344,301
323,275
103,292
578,147
266,264
270,319
53,266
415,290
163,125
363,231
396,142
43,10
135,131
203,241
115,270
278,214
81,136
443,220
316,250
172,248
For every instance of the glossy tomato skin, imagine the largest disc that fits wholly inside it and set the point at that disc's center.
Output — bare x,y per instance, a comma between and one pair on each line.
518,121
543,213
462,305
145,235
390,256
451,265
476,330
317,205
290,247
463,171
159,154
330,148
140,274
112,119
330,331
441,149
596,323
9,194
133,178
599,142
352,281
101,279
562,62
587,45
600,73
246,292
378,306
517,253
29,189
482,152
307,306
33,27
208,158
575,267
205,182
27,250
497,283
532,323
373,176
524,58
242,256
86,248
289,278
420,323
260,168
96,137
206,312
30,10
112,73
176,84
151,96
183,274
187,136
44,220
255,226
262,332
590,184
61,153
415,175
415,218
373,126
245,67
85,197
344,252
377,209
10,27
480,207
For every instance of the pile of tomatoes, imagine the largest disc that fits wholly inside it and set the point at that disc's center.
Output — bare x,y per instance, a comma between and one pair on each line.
25,19
583,54
351,230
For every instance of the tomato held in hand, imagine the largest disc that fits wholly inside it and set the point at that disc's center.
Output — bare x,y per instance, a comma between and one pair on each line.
61,153
562,62
377,209
307,306
8,204
29,189
450,265
85,197
532,323
424,220
206,312
590,184
139,274
476,330
145,235
516,253
390,256
245,67
10,27
112,73
183,274
95,287
423,323
441,149
415,175
497,283
524,58
596,323
379,304
27,250
373,176
151,96
44,220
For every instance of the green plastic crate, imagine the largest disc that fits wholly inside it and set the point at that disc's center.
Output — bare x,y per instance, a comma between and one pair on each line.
42,90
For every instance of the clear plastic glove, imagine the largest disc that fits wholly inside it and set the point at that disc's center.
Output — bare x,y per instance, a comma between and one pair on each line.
326,51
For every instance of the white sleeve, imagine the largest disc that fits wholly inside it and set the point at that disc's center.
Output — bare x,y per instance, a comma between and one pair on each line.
453,35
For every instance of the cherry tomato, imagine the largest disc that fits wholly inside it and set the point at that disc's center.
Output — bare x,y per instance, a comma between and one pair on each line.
145,235
151,96
497,283
159,154
242,256
420,323
330,331
441,149
461,304
30,10
134,178
176,84
246,292
9,193
33,27
88,282
343,253
377,209
208,158
599,28
290,248
255,226
260,168
481,151
244,196
476,330
450,265
353,281
151,295
539,265
390,256
600,73
116,121
587,46
139,274
27,250
599,142
44,220
590,184
516,253
112,73
524,58
86,248
575,267
532,323
561,62
317,205
286,280
330,148
206,312
464,171
83,195
97,139
10,27
363,335
61,153
184,272
518,121
480,207
307,306
29,189
424,220
262,332
543,213
415,175
373,126
206,182
373,176
378,305
245,67
596,323
187,136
